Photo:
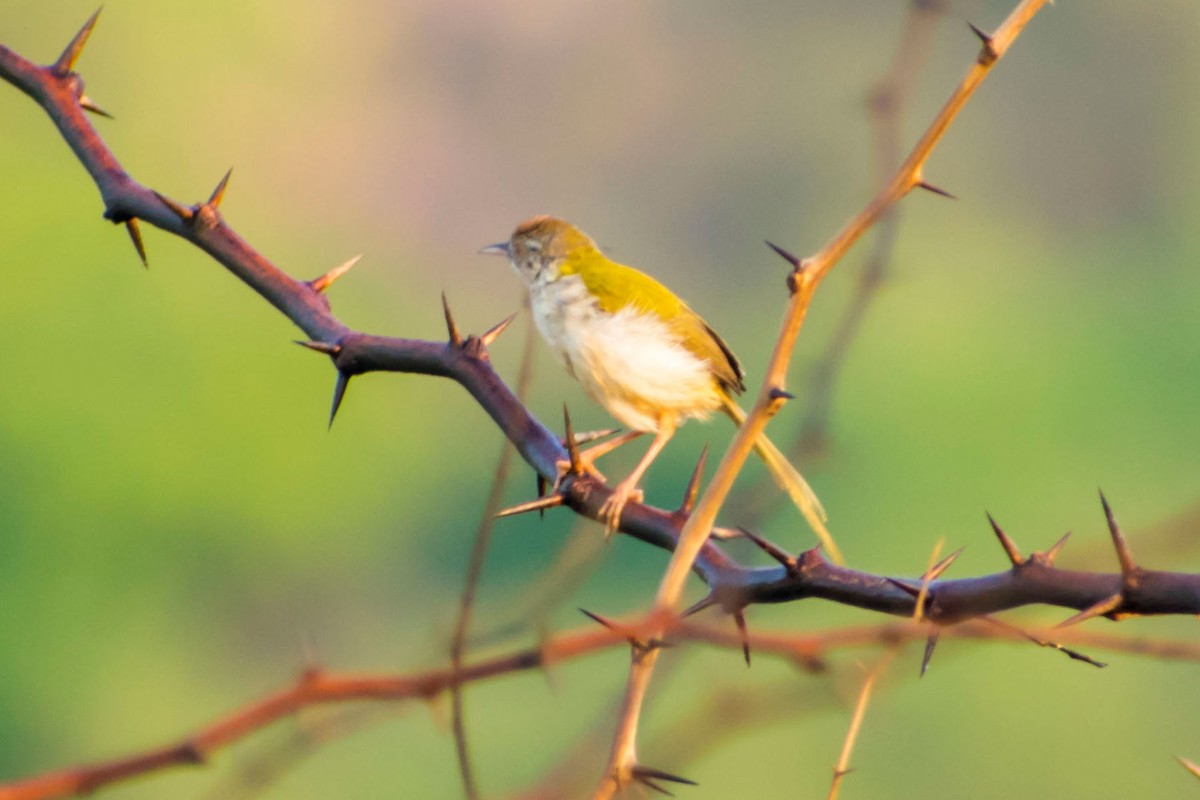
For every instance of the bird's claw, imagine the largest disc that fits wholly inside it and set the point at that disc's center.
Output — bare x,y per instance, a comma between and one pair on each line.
610,511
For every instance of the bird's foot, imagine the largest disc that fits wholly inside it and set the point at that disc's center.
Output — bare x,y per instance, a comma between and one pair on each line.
587,459
610,511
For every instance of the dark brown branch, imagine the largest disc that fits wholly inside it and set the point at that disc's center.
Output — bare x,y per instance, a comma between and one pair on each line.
355,353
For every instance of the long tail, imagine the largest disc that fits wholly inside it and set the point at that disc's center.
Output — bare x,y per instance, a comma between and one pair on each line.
791,481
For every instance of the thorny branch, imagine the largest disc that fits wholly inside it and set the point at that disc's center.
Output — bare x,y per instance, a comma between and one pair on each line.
316,687
807,275
732,585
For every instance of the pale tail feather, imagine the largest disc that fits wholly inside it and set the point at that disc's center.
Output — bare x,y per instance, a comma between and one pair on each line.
791,481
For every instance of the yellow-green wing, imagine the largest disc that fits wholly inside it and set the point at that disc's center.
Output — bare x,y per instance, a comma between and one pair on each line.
616,286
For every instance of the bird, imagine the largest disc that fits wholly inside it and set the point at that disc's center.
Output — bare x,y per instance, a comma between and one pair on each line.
636,349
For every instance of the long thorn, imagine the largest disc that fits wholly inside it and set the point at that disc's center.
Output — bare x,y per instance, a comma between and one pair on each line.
1128,565
707,601
325,281
88,104
693,487
339,393
930,644
496,330
135,233
640,773
183,212
218,193
539,504
935,572
785,255
451,325
70,55
929,187
773,550
1010,547
1105,606
321,347
739,619
1053,552
605,621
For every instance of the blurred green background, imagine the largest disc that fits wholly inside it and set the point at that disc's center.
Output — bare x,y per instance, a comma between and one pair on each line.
177,527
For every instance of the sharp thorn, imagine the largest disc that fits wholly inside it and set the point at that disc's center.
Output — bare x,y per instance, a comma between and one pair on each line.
937,569
929,187
496,330
693,486
700,605
70,55
539,504
1105,606
1053,552
339,394
930,644
325,281
912,591
785,255
451,326
135,233
1124,556
773,550
218,193
640,773
1010,548
597,618
650,783
542,483
572,444
983,37
987,51
183,212
88,104
327,348
739,618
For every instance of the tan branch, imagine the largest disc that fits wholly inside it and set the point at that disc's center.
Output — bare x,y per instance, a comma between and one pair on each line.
807,276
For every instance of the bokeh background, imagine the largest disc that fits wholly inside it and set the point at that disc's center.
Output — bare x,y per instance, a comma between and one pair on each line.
178,528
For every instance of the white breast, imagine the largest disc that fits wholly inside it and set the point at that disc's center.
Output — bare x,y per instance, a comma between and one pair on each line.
629,362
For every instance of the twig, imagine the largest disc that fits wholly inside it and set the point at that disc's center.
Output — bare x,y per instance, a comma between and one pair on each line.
479,550
316,687
842,768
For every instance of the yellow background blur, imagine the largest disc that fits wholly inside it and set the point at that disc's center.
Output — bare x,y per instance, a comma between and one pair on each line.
175,521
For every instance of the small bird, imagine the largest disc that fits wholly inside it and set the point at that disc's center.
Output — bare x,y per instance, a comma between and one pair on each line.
636,348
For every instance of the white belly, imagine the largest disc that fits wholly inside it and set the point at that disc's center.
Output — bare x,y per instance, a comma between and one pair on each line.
629,362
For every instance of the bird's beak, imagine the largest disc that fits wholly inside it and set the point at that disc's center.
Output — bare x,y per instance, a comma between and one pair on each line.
498,249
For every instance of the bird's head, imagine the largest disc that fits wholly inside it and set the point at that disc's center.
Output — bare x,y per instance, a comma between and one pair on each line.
540,247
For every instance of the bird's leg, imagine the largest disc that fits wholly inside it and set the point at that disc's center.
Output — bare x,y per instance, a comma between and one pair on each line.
610,512
587,458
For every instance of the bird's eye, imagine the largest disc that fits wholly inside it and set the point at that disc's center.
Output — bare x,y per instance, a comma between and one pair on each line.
533,245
